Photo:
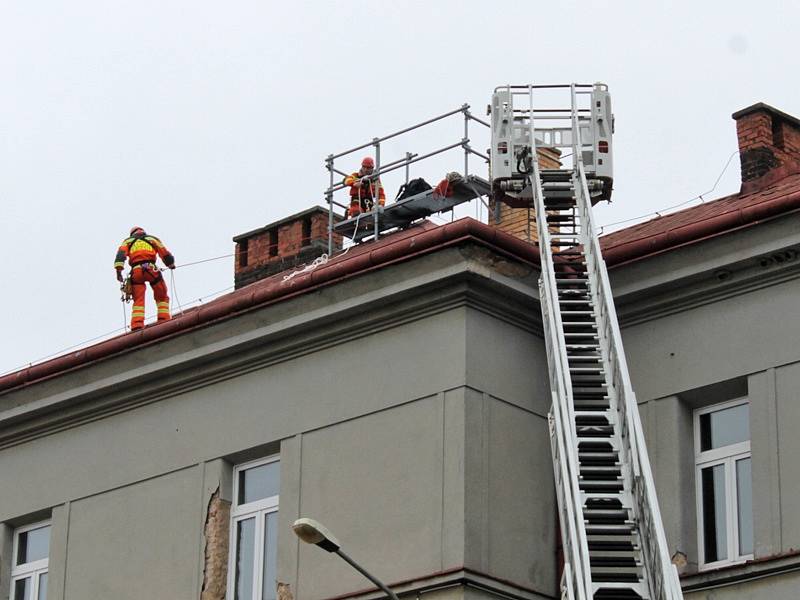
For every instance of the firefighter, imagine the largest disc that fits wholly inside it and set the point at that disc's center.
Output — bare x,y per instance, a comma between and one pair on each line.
363,187
141,249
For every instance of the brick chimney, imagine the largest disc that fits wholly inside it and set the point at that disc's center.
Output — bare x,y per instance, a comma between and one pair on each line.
769,145
282,245
515,220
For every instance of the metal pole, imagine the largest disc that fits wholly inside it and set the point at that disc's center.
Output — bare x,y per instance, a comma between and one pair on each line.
409,156
329,197
466,156
466,137
366,574
375,204
401,162
396,133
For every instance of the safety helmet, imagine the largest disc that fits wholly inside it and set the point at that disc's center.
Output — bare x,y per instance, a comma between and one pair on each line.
136,228
368,163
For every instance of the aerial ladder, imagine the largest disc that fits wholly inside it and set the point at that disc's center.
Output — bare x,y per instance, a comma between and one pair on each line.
612,534
611,529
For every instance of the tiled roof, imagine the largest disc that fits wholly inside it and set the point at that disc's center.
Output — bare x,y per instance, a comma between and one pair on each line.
701,222
363,258
656,236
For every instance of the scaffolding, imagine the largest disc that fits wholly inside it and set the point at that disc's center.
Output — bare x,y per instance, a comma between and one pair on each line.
400,214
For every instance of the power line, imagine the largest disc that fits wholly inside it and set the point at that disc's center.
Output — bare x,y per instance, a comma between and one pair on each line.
107,335
660,213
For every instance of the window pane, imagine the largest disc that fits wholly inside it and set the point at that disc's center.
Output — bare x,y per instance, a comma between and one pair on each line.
42,587
245,550
715,535
744,497
725,427
33,545
259,482
23,589
269,587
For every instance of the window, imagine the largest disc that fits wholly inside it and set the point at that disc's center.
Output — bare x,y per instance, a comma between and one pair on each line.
29,560
724,486
254,531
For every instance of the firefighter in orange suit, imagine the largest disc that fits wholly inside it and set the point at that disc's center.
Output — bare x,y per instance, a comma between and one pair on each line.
141,249
363,188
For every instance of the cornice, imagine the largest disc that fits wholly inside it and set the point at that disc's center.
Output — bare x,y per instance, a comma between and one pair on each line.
335,319
713,286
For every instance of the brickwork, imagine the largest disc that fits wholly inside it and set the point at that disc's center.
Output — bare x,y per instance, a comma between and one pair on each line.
282,245
217,530
768,139
519,221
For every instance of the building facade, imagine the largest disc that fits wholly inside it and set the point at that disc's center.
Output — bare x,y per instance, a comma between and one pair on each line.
398,394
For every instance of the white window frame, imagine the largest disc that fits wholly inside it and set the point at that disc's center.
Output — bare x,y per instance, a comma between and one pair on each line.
32,569
240,512
726,455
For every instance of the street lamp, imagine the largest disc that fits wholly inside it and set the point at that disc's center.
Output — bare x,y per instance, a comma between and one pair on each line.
312,532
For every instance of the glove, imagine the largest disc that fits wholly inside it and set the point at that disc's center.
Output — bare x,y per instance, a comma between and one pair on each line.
172,267
364,181
119,275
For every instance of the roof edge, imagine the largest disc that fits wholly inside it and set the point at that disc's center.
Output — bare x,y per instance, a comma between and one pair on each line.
683,235
262,293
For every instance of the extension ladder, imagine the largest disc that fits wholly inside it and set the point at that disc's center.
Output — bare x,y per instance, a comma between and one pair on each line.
613,538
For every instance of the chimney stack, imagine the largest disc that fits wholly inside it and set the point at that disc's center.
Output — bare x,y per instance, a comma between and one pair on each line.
282,245
769,145
518,221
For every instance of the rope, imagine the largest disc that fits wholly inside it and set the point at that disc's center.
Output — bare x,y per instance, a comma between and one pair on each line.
660,212
320,260
197,262
124,316
175,289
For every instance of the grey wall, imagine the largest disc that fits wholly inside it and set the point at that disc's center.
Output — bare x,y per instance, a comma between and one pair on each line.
409,409
418,468
693,339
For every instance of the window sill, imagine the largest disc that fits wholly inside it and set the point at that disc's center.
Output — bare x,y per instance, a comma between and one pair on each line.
734,573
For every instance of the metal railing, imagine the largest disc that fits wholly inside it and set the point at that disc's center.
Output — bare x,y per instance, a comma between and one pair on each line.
661,574
405,162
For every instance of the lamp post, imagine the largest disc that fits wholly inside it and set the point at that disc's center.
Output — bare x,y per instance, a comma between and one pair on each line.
312,532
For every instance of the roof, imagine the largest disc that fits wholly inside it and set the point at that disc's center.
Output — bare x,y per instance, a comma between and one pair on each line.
777,197
701,222
403,245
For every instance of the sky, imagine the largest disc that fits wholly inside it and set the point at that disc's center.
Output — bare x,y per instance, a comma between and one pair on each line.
201,120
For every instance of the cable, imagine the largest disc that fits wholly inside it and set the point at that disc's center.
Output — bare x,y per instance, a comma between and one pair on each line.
659,213
102,336
175,289
197,262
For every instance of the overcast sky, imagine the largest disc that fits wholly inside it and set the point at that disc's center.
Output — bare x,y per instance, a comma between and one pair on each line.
201,120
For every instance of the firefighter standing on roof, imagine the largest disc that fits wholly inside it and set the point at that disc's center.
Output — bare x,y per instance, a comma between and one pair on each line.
141,249
363,188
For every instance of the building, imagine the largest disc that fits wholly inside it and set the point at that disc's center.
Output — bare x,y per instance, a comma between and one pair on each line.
399,394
